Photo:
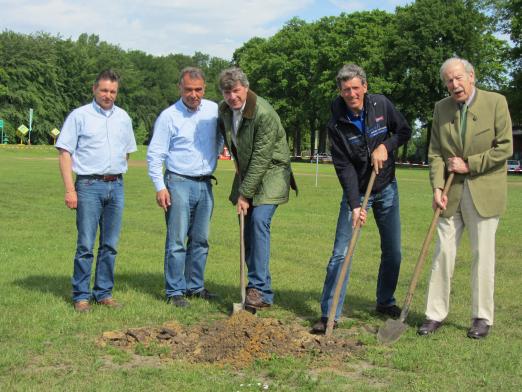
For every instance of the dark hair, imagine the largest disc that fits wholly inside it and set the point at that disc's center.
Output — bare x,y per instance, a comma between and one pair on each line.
107,74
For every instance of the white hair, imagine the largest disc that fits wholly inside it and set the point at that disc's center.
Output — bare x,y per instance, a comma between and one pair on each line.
467,66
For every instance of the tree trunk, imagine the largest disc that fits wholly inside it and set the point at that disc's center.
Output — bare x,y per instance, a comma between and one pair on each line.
297,141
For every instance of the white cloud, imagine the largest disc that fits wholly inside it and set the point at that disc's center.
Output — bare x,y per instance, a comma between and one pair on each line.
156,26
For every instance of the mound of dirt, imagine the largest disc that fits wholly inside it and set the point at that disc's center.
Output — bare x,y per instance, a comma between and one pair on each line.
236,341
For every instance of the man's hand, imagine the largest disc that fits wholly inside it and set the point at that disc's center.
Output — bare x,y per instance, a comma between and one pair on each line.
458,165
358,215
71,199
242,205
163,199
439,201
379,156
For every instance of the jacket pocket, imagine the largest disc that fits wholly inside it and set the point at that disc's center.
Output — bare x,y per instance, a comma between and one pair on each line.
275,184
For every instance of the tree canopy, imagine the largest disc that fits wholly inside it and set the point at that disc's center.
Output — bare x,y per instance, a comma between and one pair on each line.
53,76
294,69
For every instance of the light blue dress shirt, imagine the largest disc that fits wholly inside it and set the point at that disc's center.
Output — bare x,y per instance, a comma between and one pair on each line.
187,141
98,140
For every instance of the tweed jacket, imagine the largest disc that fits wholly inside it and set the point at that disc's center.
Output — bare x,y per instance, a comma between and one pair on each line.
488,144
262,154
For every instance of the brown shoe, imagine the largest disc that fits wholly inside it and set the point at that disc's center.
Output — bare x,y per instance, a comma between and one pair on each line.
254,299
479,329
319,328
428,326
110,303
82,306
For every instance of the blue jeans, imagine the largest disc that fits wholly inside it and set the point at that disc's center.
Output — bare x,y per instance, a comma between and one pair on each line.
186,247
100,204
257,249
385,205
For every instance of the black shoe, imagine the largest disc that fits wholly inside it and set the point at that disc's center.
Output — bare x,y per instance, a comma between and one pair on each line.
204,294
391,310
479,329
319,328
428,326
178,301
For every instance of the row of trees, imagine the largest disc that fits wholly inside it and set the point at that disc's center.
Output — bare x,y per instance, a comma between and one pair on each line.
401,53
54,75
294,69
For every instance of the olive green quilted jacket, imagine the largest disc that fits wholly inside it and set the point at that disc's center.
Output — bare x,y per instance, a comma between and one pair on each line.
261,154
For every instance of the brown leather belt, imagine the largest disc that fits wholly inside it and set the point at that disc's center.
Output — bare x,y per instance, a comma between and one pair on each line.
100,177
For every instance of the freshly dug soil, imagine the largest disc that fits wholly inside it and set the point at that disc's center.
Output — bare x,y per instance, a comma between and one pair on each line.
236,341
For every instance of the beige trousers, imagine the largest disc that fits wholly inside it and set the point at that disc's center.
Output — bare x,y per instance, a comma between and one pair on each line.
481,233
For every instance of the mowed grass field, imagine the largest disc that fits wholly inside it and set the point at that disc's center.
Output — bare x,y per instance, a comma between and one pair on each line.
45,345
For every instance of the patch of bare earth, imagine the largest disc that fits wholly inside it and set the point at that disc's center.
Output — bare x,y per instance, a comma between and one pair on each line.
236,341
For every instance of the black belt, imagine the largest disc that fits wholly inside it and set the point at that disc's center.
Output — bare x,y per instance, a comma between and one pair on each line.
100,177
195,178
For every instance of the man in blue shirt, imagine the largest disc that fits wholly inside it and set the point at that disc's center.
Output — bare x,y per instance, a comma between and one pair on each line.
186,140
95,142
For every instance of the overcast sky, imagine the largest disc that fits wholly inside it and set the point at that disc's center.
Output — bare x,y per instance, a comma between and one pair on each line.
161,27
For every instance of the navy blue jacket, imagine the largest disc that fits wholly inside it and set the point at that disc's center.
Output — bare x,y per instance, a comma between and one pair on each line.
351,150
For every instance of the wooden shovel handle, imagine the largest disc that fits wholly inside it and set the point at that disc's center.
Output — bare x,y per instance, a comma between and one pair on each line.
347,261
423,253
242,280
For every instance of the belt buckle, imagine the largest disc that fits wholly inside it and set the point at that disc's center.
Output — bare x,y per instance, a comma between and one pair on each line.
109,178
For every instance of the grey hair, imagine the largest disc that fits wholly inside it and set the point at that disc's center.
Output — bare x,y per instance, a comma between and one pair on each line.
229,77
193,72
348,72
467,66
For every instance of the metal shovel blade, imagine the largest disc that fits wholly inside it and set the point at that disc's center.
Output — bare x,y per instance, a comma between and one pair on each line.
391,331
237,308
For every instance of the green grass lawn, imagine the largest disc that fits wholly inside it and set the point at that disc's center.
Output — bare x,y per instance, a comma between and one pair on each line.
45,345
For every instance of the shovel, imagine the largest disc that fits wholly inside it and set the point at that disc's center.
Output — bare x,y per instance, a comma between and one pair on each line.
392,329
237,307
347,261
241,306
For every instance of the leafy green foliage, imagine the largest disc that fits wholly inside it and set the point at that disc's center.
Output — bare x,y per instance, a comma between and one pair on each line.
507,14
53,76
295,69
401,53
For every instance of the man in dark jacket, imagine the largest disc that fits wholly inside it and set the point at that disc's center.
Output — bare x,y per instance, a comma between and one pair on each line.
364,131
254,134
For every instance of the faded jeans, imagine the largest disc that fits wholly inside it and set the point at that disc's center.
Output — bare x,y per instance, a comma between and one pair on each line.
186,247
385,205
100,204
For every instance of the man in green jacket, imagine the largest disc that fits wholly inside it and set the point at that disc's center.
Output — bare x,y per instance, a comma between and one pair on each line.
472,137
253,133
